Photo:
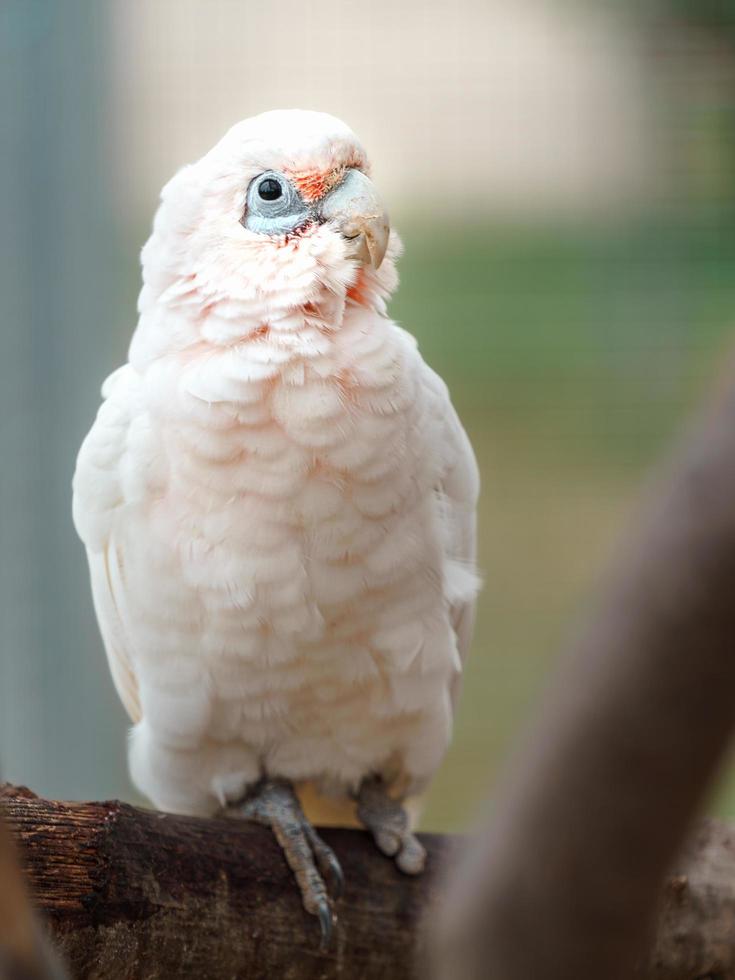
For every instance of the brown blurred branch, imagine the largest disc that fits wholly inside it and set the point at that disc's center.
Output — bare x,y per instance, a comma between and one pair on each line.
696,927
24,952
565,882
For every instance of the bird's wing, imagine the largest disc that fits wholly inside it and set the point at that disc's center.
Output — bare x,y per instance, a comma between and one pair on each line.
104,572
457,490
110,474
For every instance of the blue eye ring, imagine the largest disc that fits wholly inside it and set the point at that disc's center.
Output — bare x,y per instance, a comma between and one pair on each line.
273,205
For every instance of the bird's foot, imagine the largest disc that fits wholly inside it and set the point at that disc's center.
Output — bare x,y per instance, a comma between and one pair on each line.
387,821
273,803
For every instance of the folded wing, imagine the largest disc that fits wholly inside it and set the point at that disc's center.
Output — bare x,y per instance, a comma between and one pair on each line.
107,479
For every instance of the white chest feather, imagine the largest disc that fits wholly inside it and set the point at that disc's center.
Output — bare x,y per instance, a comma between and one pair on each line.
289,566
281,564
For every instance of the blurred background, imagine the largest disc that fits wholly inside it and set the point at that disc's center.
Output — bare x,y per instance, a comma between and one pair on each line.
562,175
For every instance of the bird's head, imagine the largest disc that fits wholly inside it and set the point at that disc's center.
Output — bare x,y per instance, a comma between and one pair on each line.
279,217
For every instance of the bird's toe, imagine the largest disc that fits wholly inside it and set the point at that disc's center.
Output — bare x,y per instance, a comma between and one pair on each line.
411,859
388,841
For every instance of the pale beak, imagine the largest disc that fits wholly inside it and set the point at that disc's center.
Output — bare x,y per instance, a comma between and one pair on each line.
356,209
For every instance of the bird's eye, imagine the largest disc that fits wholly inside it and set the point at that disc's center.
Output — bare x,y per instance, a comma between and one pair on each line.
273,205
270,189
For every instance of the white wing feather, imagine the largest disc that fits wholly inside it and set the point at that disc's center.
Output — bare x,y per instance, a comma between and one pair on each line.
100,494
457,492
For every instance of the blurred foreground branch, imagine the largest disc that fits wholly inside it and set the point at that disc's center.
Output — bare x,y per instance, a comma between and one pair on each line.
564,884
24,952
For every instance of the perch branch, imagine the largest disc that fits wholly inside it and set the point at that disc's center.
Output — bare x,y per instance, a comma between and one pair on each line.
134,894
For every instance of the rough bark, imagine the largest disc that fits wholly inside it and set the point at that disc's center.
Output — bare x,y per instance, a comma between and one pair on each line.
696,928
564,881
132,894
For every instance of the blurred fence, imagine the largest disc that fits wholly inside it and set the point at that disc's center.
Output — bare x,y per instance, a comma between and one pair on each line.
59,313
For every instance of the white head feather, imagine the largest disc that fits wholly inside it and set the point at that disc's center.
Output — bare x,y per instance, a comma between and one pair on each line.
209,279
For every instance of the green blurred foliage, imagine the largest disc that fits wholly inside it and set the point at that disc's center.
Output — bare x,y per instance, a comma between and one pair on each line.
574,358
716,16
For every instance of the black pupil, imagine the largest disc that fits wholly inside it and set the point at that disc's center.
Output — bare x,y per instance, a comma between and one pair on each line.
270,189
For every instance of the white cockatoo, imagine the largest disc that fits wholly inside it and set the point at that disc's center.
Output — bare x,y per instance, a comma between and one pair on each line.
278,505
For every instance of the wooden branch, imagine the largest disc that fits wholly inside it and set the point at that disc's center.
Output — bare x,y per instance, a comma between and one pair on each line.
565,879
135,894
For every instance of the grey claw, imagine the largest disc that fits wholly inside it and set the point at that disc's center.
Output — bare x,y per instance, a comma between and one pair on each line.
337,876
327,860
326,924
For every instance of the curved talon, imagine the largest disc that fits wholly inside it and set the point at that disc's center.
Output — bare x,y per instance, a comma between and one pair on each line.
336,876
326,923
326,859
